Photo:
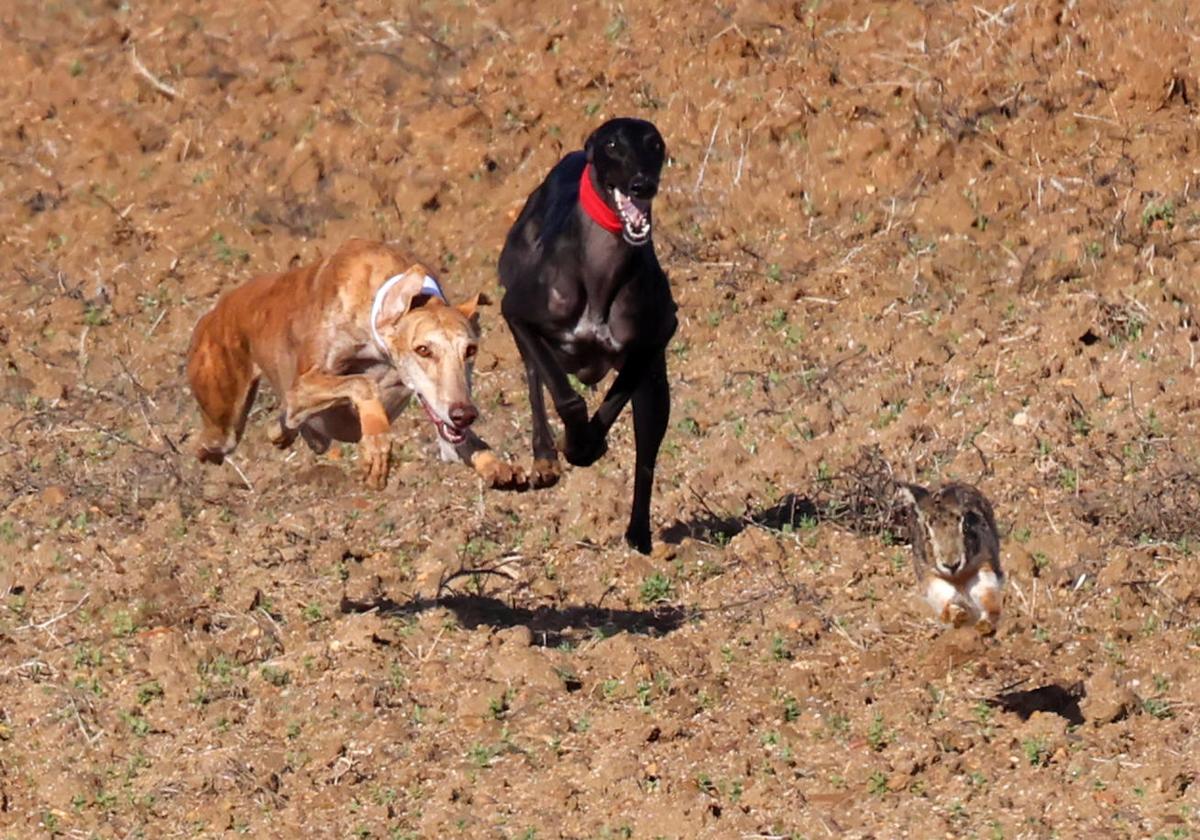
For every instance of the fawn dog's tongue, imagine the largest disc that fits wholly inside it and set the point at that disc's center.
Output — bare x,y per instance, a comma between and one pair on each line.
448,432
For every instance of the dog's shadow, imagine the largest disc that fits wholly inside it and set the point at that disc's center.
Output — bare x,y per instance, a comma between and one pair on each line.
791,511
551,627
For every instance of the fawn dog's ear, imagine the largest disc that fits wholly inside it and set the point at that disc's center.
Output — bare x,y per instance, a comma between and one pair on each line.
397,299
470,307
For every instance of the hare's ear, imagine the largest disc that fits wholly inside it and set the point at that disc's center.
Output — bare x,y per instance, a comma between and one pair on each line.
910,495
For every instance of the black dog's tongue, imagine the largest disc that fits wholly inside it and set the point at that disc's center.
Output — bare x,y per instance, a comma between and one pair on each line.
632,210
635,217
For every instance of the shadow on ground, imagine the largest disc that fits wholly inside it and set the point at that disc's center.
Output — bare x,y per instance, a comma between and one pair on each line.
790,511
860,497
1056,699
550,626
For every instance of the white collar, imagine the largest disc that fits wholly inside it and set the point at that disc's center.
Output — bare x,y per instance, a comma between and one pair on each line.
428,287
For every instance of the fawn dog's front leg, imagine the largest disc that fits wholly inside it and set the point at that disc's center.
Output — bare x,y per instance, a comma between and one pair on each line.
315,391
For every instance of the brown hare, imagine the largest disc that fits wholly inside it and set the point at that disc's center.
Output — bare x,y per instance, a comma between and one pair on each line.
956,553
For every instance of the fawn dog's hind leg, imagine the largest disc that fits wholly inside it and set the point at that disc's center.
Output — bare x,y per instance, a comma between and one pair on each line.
224,381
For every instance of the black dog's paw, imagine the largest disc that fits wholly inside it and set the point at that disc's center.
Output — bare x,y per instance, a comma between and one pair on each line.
583,450
638,539
545,472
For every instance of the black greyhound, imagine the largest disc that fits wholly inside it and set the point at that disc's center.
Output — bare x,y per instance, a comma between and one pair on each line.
584,294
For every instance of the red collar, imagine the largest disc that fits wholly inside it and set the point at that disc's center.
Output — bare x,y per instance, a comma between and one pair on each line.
594,205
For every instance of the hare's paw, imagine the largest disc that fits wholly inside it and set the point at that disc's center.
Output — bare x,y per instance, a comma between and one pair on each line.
954,615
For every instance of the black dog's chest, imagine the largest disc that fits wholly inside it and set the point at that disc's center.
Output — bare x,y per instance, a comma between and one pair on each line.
583,323
589,337
590,330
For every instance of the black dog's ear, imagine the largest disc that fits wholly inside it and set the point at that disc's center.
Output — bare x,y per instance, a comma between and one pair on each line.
592,143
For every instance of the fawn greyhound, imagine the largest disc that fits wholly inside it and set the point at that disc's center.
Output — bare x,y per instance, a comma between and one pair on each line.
584,295
345,342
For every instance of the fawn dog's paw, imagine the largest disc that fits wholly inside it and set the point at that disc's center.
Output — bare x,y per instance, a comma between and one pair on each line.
374,451
281,436
499,474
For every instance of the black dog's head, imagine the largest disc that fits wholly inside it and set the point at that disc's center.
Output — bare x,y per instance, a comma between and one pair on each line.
627,156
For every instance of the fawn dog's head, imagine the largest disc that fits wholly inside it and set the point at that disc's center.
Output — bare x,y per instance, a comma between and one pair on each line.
432,345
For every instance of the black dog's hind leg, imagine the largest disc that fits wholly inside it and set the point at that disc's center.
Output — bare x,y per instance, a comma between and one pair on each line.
651,414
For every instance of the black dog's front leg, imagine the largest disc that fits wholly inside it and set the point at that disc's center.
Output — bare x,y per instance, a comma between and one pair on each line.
545,458
591,443
540,366
651,414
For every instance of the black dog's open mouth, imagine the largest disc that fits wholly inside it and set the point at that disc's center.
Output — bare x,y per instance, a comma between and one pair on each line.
448,432
635,217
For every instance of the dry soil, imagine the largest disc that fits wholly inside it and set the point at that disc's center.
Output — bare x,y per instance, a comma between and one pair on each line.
910,240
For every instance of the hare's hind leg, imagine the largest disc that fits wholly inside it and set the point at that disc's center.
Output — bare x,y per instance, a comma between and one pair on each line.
987,593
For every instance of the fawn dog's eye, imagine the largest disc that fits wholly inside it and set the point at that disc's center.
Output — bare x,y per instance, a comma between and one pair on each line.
471,351
423,351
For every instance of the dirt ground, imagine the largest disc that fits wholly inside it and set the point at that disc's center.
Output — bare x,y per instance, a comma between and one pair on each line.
917,240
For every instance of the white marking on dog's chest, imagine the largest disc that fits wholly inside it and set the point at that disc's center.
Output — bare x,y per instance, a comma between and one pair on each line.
590,329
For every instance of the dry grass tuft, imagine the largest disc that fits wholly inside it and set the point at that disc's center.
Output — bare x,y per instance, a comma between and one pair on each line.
861,496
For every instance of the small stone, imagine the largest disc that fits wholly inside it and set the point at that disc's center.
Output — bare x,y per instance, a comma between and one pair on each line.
53,496
519,636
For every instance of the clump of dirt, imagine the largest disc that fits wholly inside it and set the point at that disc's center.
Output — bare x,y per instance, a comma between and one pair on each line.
910,241
1161,506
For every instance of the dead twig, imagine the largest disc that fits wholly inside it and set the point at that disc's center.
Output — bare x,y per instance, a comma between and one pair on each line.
704,162
55,619
155,82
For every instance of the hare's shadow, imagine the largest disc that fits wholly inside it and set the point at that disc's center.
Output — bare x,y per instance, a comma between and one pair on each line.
1054,698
